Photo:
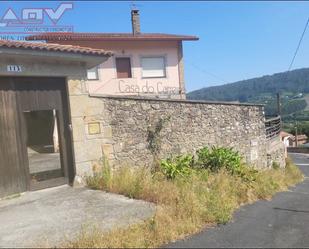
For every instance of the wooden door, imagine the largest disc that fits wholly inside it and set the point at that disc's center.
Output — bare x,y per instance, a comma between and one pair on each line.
123,67
18,97
13,174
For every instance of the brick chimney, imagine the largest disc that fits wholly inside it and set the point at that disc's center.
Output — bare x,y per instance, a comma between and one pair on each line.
136,26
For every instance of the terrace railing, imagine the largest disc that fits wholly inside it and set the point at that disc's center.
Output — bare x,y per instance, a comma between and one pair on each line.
273,127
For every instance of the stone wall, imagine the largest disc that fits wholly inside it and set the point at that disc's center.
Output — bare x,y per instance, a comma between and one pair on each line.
276,152
120,129
186,127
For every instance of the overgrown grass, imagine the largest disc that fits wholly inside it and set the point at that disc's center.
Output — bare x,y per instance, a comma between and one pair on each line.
184,205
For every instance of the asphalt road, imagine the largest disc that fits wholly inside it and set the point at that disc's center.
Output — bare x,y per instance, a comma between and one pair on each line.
281,222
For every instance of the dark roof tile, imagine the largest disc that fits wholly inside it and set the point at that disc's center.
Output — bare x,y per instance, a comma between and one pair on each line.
110,36
53,47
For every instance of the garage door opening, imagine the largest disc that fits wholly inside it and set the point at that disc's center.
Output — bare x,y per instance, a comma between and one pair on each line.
34,122
43,148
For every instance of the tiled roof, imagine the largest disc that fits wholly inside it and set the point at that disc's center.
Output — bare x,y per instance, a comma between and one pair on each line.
111,37
302,137
299,137
285,134
53,47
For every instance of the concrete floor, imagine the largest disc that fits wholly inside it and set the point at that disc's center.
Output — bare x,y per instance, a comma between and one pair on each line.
49,217
40,162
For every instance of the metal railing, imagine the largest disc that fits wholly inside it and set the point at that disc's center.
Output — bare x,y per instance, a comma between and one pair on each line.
273,127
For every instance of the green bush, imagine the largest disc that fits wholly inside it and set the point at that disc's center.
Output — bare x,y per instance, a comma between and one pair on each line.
214,160
183,205
177,166
219,158
202,157
224,158
246,173
275,165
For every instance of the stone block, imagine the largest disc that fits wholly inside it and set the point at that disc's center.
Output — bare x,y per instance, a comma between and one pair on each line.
107,132
79,182
253,154
75,87
254,142
83,169
83,106
88,150
78,129
118,147
94,128
108,151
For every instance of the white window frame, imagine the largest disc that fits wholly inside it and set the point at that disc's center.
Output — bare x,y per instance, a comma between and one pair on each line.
96,71
150,57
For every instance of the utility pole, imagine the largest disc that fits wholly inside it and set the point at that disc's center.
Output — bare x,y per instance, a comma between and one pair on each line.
296,135
278,104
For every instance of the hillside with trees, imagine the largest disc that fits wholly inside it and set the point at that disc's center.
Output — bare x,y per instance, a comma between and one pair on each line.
293,87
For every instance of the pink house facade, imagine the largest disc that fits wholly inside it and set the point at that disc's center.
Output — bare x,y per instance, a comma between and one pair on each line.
165,81
143,64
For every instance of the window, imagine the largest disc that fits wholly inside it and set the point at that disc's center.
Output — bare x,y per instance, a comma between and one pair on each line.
123,66
93,74
153,67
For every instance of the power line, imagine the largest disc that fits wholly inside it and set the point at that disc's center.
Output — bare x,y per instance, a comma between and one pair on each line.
300,40
206,72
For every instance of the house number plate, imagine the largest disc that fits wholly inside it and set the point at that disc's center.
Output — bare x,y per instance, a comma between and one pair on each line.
14,68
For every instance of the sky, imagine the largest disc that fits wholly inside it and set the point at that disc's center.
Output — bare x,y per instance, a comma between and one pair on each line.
238,40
